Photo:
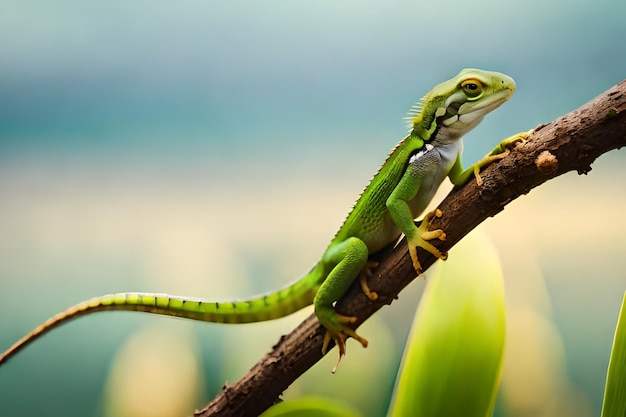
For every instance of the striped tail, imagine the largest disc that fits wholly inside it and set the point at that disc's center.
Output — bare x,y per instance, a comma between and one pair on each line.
267,307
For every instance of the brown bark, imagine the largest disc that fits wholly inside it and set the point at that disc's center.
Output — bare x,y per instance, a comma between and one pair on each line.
570,143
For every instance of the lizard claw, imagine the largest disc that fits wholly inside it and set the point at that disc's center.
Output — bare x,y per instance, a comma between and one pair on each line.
519,139
340,335
501,151
366,273
421,240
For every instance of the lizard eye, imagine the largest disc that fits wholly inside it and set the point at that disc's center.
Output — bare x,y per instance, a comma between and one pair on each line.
472,87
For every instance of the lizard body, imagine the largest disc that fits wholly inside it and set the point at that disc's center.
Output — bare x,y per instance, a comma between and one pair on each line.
397,194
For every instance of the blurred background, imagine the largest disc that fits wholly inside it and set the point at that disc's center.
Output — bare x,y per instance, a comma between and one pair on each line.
212,149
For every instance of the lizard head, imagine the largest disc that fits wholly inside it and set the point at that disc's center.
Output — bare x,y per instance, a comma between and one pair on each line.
456,106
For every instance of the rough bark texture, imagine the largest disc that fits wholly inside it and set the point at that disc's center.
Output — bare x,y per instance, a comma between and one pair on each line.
570,143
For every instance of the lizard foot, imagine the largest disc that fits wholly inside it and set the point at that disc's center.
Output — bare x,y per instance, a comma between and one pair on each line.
339,334
421,240
366,273
500,152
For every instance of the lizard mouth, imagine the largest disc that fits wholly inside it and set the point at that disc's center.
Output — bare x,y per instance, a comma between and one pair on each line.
468,112
472,110
488,104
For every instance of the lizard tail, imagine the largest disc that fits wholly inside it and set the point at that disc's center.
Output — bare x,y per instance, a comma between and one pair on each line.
266,307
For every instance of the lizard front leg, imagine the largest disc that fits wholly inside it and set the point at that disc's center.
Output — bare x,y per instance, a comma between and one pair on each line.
424,234
458,176
401,214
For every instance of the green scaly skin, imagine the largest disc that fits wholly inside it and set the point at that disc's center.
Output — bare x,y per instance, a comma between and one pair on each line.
397,194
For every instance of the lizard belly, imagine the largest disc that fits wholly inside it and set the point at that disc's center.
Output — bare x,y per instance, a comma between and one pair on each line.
447,155
381,237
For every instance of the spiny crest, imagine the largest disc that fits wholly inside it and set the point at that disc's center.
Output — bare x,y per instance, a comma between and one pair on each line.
367,187
414,111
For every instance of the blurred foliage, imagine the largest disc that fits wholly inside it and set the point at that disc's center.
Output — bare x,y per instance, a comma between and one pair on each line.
615,391
311,407
453,360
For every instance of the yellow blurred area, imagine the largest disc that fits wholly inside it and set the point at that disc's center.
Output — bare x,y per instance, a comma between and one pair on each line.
535,380
576,226
156,373
64,238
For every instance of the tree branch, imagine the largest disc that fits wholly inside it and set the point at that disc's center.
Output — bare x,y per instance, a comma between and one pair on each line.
570,143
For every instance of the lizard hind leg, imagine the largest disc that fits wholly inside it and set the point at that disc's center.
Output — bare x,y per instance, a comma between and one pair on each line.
346,259
366,273
340,338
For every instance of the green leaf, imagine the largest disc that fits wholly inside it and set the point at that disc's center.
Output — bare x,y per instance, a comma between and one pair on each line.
453,359
310,407
614,404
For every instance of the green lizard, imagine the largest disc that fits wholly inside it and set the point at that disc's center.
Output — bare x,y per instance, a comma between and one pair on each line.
397,194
